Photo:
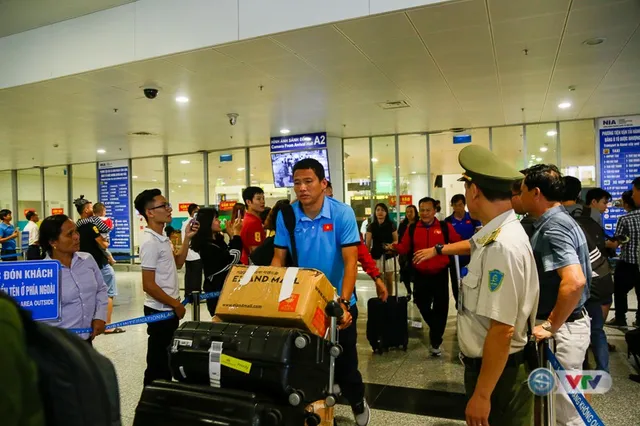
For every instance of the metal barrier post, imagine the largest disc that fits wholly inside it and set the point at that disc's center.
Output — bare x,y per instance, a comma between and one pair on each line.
195,305
545,414
551,400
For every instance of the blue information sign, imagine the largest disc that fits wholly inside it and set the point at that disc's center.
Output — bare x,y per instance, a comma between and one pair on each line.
114,193
461,139
34,285
24,242
619,148
299,142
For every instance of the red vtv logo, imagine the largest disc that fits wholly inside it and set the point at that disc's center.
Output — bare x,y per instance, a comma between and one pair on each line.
588,381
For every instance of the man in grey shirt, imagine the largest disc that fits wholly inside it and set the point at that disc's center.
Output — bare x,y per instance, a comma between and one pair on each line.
564,270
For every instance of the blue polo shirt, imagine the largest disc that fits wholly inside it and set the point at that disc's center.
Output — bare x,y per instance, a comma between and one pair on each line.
320,241
465,227
7,231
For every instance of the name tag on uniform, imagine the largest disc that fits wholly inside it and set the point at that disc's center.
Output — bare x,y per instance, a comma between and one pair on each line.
327,227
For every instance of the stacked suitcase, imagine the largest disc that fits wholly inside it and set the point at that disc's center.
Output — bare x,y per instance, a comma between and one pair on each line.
236,374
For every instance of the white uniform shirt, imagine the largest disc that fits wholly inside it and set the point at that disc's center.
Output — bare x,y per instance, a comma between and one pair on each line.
34,232
191,255
156,254
502,284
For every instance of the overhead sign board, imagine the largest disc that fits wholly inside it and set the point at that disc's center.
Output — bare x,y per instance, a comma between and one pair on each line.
299,142
115,195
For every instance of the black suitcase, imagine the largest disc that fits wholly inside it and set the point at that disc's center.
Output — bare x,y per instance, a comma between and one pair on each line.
387,325
170,403
287,364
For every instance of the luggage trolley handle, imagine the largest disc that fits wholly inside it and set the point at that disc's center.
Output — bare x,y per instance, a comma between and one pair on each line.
395,272
334,312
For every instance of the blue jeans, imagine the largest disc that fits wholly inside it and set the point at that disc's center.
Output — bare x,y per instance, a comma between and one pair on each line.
109,276
599,344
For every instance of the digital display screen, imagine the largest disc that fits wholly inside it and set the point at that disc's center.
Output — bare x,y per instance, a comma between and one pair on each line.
282,164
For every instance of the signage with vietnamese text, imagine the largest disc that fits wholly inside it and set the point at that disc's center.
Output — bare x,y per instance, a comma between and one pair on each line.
405,200
227,205
57,211
184,207
299,142
619,146
34,285
114,192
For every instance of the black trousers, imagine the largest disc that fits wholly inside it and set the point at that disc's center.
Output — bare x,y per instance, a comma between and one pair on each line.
160,337
33,253
454,278
431,296
347,374
8,253
212,303
627,276
406,273
193,276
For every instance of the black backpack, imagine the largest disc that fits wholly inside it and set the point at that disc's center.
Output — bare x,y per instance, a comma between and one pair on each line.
78,386
602,277
263,254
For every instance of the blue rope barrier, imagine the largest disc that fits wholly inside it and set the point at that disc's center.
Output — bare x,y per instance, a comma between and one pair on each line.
18,253
147,318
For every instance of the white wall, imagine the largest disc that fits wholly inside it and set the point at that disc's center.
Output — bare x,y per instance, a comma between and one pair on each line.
152,28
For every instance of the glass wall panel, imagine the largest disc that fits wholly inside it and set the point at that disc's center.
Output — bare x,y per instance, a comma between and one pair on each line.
29,195
542,144
84,182
6,191
262,175
414,181
227,175
578,151
146,173
55,191
383,159
508,144
445,169
186,185
357,181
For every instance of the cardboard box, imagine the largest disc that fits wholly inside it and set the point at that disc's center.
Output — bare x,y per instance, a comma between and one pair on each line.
281,297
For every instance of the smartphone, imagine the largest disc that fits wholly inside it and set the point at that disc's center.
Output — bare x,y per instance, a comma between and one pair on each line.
194,220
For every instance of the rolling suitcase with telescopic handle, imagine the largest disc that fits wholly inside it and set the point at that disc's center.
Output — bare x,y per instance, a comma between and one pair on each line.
387,321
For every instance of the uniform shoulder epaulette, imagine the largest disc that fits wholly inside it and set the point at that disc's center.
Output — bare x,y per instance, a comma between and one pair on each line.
490,238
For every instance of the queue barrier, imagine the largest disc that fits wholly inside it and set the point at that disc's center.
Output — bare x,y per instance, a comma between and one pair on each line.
155,317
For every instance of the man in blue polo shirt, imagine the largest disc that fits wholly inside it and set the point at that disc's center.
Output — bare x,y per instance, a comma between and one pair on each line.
327,239
8,236
465,226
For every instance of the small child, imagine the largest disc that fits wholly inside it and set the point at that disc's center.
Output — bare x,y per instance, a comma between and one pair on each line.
100,210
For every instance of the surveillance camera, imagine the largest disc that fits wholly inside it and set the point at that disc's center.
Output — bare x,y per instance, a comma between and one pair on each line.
233,118
150,92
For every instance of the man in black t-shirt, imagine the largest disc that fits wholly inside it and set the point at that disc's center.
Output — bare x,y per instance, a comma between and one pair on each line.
90,229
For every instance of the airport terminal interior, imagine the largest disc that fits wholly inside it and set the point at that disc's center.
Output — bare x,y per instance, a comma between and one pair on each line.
108,98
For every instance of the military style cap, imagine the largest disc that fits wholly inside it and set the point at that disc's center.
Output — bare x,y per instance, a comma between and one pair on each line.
485,169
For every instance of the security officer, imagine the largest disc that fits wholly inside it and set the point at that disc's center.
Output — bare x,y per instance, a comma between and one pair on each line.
498,297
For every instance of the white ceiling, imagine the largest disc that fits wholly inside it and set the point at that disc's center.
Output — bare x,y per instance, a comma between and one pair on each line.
17,16
458,64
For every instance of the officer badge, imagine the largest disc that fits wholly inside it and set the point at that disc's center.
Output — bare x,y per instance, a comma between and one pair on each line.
495,279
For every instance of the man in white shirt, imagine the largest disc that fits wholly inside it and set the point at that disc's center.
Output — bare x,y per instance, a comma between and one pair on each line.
33,252
193,272
160,280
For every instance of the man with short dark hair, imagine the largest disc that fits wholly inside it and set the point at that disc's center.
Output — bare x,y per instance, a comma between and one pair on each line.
516,202
252,233
8,236
326,238
564,271
571,199
598,199
431,277
627,274
160,280
193,266
33,252
466,227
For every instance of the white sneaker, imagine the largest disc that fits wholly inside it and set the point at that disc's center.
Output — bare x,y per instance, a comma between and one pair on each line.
435,351
361,413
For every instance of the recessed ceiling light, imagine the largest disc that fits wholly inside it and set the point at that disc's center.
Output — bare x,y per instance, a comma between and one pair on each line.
538,158
374,160
101,151
594,41
413,173
185,162
552,133
182,99
134,177
154,180
533,156
251,174
184,181
285,131
240,169
544,149
179,186
564,105
254,181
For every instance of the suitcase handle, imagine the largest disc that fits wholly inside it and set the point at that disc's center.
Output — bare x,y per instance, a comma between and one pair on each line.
335,312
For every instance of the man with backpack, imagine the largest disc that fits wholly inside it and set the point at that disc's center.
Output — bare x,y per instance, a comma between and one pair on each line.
431,279
601,291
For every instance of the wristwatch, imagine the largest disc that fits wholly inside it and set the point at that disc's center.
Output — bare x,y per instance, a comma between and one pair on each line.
439,248
345,302
547,326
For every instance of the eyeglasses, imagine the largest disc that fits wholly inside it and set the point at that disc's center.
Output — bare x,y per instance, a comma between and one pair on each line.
166,206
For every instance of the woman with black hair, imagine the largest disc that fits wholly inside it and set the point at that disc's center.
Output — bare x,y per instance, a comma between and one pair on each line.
217,257
380,232
406,264
82,288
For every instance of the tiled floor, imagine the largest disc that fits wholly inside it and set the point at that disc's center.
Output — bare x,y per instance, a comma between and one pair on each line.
413,369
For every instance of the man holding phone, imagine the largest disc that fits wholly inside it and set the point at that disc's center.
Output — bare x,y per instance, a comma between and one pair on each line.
193,266
160,279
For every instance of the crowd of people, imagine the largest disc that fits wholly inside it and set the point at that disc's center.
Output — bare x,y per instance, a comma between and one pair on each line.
524,269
